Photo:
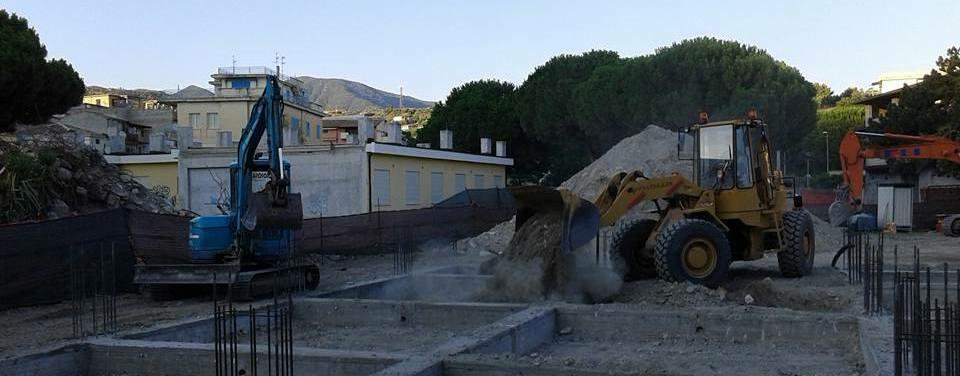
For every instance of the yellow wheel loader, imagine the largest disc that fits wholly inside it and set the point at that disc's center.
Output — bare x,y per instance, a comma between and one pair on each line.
735,208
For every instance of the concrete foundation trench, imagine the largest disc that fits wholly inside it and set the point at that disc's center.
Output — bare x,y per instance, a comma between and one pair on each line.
427,324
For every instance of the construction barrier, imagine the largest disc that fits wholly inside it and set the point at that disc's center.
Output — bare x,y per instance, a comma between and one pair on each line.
37,257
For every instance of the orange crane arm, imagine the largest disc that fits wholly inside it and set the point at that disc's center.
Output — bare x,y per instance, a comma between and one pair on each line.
853,154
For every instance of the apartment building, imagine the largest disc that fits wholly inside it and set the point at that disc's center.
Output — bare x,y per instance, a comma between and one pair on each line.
222,114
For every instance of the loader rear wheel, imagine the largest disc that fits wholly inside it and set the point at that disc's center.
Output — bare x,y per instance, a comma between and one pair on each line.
796,257
693,250
629,241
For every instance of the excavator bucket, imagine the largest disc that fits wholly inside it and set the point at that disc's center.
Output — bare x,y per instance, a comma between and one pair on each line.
581,219
839,212
263,213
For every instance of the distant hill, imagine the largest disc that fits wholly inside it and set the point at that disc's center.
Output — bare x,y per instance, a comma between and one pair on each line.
353,97
332,93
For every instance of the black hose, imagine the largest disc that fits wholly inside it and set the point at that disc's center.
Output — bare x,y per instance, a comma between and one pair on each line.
836,257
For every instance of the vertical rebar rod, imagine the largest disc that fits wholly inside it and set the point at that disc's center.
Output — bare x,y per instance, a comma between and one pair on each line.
252,316
897,318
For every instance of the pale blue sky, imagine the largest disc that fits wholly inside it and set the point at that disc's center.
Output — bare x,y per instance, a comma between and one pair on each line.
431,46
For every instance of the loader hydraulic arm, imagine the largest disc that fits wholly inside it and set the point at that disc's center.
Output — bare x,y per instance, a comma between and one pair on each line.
626,190
853,155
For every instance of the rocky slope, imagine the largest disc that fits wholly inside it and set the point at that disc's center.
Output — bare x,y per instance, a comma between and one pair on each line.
46,175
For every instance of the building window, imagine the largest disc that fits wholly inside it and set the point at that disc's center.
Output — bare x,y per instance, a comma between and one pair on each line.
319,129
241,83
459,183
413,187
436,187
381,188
498,181
195,120
308,129
98,102
294,123
478,182
213,121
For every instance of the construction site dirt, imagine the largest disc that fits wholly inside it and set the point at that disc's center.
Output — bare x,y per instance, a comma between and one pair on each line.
508,302
754,293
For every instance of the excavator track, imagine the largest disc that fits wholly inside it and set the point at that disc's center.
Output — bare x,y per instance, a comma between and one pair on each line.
252,284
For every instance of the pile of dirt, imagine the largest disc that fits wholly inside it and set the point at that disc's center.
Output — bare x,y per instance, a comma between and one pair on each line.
49,175
653,151
533,268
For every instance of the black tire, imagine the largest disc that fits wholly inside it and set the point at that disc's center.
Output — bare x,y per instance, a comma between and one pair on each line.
628,241
796,258
687,235
951,225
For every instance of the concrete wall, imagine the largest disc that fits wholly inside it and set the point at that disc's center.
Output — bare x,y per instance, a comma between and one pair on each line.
331,181
398,166
155,175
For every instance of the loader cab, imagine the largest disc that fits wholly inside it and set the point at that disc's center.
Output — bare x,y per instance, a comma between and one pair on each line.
731,158
723,158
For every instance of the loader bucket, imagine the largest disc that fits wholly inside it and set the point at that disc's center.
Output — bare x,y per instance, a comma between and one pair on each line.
581,217
263,213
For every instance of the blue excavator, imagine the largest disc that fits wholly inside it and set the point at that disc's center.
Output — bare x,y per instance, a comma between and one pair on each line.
249,248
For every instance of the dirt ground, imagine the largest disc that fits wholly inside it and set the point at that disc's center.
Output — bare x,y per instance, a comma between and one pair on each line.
935,248
31,329
756,283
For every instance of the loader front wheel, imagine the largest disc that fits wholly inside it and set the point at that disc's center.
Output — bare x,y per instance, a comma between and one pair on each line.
693,250
796,257
629,241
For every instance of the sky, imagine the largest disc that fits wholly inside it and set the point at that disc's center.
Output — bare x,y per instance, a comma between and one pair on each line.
430,47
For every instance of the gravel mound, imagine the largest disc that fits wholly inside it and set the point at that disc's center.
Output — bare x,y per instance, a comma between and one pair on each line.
652,151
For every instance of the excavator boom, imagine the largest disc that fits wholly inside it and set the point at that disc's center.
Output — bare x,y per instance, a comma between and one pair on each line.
853,155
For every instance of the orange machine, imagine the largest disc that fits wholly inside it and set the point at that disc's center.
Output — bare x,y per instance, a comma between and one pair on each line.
853,155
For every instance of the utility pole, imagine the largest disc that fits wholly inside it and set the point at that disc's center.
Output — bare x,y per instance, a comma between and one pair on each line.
401,97
827,150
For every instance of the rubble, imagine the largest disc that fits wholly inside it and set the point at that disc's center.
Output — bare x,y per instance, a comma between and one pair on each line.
69,178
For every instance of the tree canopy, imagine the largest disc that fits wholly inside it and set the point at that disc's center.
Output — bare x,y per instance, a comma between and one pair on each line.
577,106
931,106
33,87
484,108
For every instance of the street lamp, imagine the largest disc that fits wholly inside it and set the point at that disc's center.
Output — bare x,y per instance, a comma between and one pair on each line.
827,152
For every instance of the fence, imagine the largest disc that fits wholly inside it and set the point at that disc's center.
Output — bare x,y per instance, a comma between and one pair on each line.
926,323
37,266
37,261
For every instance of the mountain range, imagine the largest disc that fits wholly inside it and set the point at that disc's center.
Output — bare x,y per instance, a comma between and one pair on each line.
333,94
352,97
